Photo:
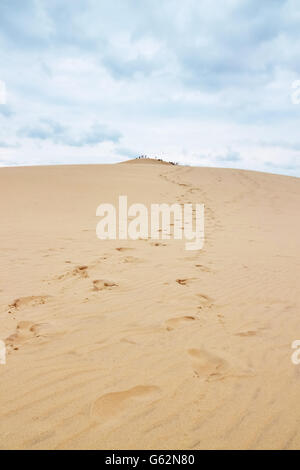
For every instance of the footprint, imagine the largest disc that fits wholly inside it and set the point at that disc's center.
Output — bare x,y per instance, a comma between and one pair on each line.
79,271
24,332
183,282
32,301
207,365
110,404
204,298
127,340
158,244
131,259
123,248
205,301
176,321
246,333
100,284
202,268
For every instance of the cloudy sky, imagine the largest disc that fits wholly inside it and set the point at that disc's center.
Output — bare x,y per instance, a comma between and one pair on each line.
194,81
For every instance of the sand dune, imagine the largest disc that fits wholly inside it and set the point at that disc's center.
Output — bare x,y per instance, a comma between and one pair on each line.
142,344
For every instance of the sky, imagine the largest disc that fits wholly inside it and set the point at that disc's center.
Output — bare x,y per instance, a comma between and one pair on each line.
196,82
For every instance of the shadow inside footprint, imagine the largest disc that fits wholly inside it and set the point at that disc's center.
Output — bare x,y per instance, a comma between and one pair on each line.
246,333
131,259
182,282
202,267
100,284
177,321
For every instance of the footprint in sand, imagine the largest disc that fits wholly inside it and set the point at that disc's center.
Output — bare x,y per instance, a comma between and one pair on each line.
31,301
101,284
123,248
184,282
25,331
131,259
247,333
203,268
205,301
110,404
207,365
79,271
177,321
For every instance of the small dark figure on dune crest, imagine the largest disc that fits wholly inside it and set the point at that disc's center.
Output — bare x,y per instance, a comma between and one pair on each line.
156,158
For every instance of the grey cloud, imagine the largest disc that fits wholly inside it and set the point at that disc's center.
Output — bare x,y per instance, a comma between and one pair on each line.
212,51
46,129
229,157
54,131
281,144
95,135
120,68
6,110
282,166
128,153
6,145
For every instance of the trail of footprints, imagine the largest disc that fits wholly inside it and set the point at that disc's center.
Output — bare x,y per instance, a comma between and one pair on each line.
205,365
110,404
27,330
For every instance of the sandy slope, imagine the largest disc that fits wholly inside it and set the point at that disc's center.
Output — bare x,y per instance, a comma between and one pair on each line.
147,361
